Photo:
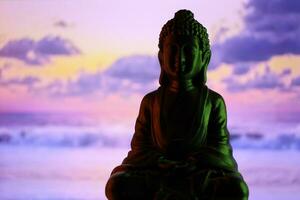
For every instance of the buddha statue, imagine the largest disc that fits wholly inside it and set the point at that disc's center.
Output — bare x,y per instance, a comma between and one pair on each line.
180,148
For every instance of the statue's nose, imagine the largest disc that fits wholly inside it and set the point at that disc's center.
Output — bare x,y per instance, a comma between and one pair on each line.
182,59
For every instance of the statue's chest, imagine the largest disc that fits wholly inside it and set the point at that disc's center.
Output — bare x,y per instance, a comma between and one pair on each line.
177,117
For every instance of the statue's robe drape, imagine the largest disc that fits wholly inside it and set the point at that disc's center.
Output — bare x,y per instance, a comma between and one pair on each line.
188,127
206,140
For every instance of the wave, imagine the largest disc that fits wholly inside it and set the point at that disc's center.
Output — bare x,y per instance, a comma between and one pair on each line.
62,137
259,141
72,136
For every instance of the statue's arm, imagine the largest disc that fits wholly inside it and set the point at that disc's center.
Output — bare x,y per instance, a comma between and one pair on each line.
218,135
217,152
142,151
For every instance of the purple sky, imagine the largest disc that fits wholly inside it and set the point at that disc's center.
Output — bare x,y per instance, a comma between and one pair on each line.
100,57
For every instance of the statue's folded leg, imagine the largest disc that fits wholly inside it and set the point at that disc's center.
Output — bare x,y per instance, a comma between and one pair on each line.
131,185
226,187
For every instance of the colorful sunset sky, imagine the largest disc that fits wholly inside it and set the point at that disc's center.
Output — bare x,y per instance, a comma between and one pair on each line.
100,57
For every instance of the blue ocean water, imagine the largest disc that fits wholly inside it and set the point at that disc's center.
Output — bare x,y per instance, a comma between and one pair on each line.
79,130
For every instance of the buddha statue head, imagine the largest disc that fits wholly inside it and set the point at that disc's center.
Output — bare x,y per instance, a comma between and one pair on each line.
184,52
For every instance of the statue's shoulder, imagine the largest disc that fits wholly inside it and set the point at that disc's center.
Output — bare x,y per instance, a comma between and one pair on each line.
215,98
149,97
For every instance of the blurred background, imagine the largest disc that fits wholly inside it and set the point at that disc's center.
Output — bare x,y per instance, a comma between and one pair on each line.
73,73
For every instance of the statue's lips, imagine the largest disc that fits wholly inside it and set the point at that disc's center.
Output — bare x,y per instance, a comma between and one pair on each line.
179,68
180,72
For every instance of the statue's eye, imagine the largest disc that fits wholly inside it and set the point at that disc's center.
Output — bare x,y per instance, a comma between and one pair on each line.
192,46
172,48
190,49
195,46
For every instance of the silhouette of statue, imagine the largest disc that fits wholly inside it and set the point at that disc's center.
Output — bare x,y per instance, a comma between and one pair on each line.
180,148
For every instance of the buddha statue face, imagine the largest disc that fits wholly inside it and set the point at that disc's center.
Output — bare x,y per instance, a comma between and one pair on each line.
184,51
181,58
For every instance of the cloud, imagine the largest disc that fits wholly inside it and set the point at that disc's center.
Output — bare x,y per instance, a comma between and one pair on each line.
296,81
38,52
265,7
54,46
276,21
138,73
138,69
55,87
61,24
27,81
241,68
271,28
267,80
84,85
132,74
286,72
251,49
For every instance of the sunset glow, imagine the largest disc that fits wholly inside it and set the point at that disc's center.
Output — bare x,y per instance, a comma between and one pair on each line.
56,61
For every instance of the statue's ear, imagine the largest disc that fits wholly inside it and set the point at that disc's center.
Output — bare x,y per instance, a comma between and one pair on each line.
163,79
206,58
160,57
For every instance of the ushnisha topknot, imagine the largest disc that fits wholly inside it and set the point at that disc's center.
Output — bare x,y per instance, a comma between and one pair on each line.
184,23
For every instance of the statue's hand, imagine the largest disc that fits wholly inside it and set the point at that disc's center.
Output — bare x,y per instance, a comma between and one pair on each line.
177,168
184,168
167,164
